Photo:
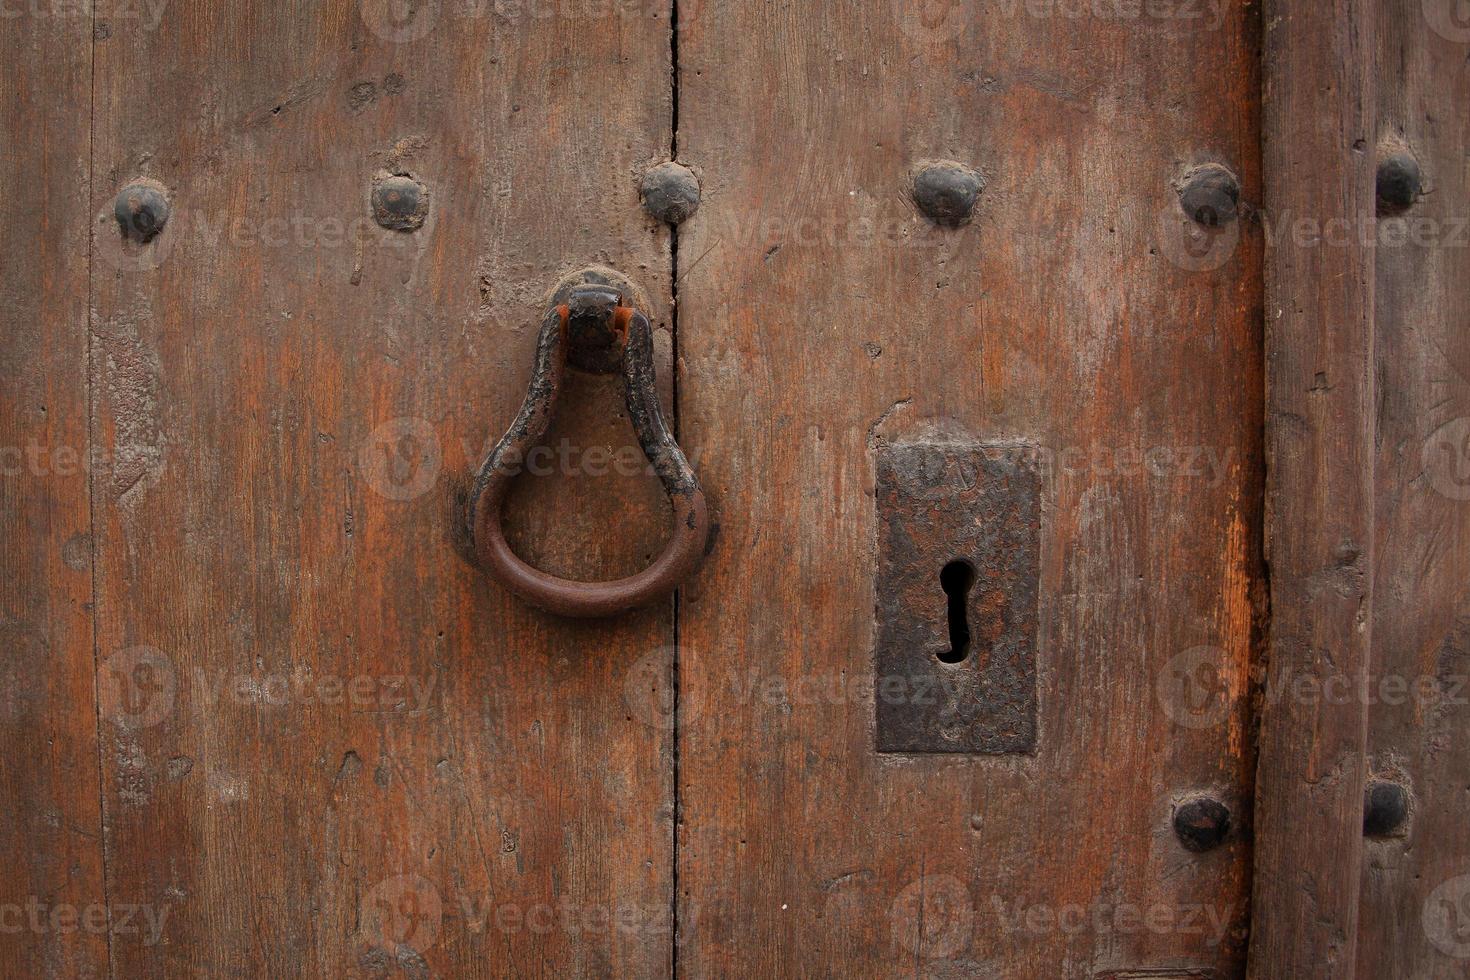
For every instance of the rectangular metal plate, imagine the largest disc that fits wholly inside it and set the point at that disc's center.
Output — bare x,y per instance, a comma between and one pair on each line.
980,505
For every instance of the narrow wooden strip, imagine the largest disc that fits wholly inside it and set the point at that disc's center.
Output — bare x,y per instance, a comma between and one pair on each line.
1319,343
52,898
1417,877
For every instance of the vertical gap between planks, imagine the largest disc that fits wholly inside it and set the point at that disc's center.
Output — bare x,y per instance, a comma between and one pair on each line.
90,333
1260,634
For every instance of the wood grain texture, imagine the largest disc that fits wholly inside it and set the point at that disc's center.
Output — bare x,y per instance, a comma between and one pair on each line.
51,879
821,316
371,761
1413,883
1317,139
328,747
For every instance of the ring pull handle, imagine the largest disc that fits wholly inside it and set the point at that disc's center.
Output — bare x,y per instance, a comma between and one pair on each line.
596,332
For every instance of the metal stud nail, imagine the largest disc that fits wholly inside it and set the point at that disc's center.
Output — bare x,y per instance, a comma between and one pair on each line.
670,192
400,203
1201,823
946,191
1385,807
1210,195
141,209
1399,183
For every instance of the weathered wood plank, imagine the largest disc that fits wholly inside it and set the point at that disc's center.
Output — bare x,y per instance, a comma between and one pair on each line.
821,316
373,762
1416,879
52,897
1318,158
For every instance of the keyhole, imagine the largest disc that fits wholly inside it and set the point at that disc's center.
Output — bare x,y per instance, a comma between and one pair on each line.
956,579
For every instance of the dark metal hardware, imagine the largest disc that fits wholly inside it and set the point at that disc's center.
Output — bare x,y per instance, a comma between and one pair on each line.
1210,195
596,331
1399,183
959,539
400,203
141,210
946,192
1385,808
670,192
1202,823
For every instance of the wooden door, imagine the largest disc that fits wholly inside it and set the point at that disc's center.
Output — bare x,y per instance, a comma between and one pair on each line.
1003,360
326,747
1067,316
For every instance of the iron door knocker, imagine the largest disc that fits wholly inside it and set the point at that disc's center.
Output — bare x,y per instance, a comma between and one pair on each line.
596,331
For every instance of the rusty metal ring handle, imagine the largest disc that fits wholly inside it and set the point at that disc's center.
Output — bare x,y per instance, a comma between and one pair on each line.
599,333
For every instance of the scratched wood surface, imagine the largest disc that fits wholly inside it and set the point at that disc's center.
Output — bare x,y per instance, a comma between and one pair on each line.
257,710
821,317
350,754
1416,884
51,886
1320,403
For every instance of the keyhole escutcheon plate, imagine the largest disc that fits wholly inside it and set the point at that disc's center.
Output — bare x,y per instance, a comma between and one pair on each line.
959,541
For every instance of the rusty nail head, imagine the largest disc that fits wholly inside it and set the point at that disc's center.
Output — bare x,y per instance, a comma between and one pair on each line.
141,209
1385,807
670,192
1201,823
1210,195
400,203
946,191
1399,183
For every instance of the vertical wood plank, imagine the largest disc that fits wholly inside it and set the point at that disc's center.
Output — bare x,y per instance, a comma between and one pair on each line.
1417,880
367,759
820,317
52,897
1318,135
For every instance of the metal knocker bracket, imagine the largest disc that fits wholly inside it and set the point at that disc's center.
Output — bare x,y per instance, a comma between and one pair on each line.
595,331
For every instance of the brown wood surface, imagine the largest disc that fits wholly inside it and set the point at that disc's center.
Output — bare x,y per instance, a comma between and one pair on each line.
259,711
51,886
821,316
267,401
1421,606
1318,152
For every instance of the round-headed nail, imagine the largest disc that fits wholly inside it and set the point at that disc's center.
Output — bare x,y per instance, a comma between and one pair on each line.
670,192
1201,823
1385,807
1210,195
141,209
946,191
1399,183
400,203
